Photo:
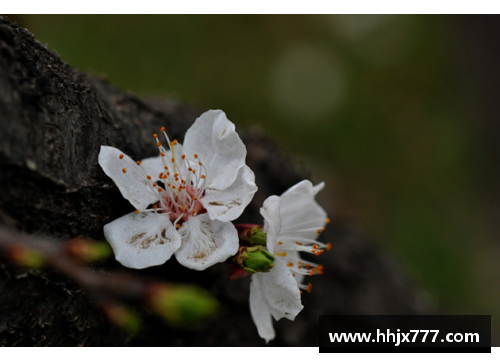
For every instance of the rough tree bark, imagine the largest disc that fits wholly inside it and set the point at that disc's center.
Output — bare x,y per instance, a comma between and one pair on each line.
53,120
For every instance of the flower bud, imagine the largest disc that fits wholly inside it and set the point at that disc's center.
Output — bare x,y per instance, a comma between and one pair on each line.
182,305
27,257
254,259
89,250
123,317
251,234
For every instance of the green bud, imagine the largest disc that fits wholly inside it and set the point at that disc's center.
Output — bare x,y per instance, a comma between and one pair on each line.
183,305
252,234
123,317
28,257
255,259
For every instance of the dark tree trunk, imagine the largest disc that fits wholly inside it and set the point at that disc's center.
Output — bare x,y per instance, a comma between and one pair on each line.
53,121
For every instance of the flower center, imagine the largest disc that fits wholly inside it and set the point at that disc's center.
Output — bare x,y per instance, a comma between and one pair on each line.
179,185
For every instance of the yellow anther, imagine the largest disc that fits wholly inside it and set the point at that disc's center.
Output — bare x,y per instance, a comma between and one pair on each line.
183,157
162,154
160,189
154,184
159,144
121,156
194,171
138,163
195,155
124,170
289,265
199,163
148,177
183,208
165,167
298,243
327,220
281,254
178,226
155,135
162,129
137,211
318,231
173,142
328,246
280,242
173,160
155,207
203,176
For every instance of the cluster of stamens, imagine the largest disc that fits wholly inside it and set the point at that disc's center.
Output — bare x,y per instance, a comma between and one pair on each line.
289,241
183,181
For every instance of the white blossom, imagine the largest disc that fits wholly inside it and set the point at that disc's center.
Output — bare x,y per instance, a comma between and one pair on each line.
292,222
184,199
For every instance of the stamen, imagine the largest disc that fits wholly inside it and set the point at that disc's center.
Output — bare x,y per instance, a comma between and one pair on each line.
138,163
329,246
121,156
327,220
124,170
137,211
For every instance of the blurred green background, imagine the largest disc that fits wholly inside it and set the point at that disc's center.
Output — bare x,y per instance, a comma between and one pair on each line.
386,109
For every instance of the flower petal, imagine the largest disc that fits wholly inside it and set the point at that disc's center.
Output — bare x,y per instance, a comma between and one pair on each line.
206,242
142,240
228,204
300,214
272,221
260,312
133,183
214,139
280,291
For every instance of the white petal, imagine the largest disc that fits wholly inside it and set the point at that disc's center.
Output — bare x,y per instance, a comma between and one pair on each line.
228,204
272,221
206,242
142,240
280,291
301,215
260,312
133,184
214,139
